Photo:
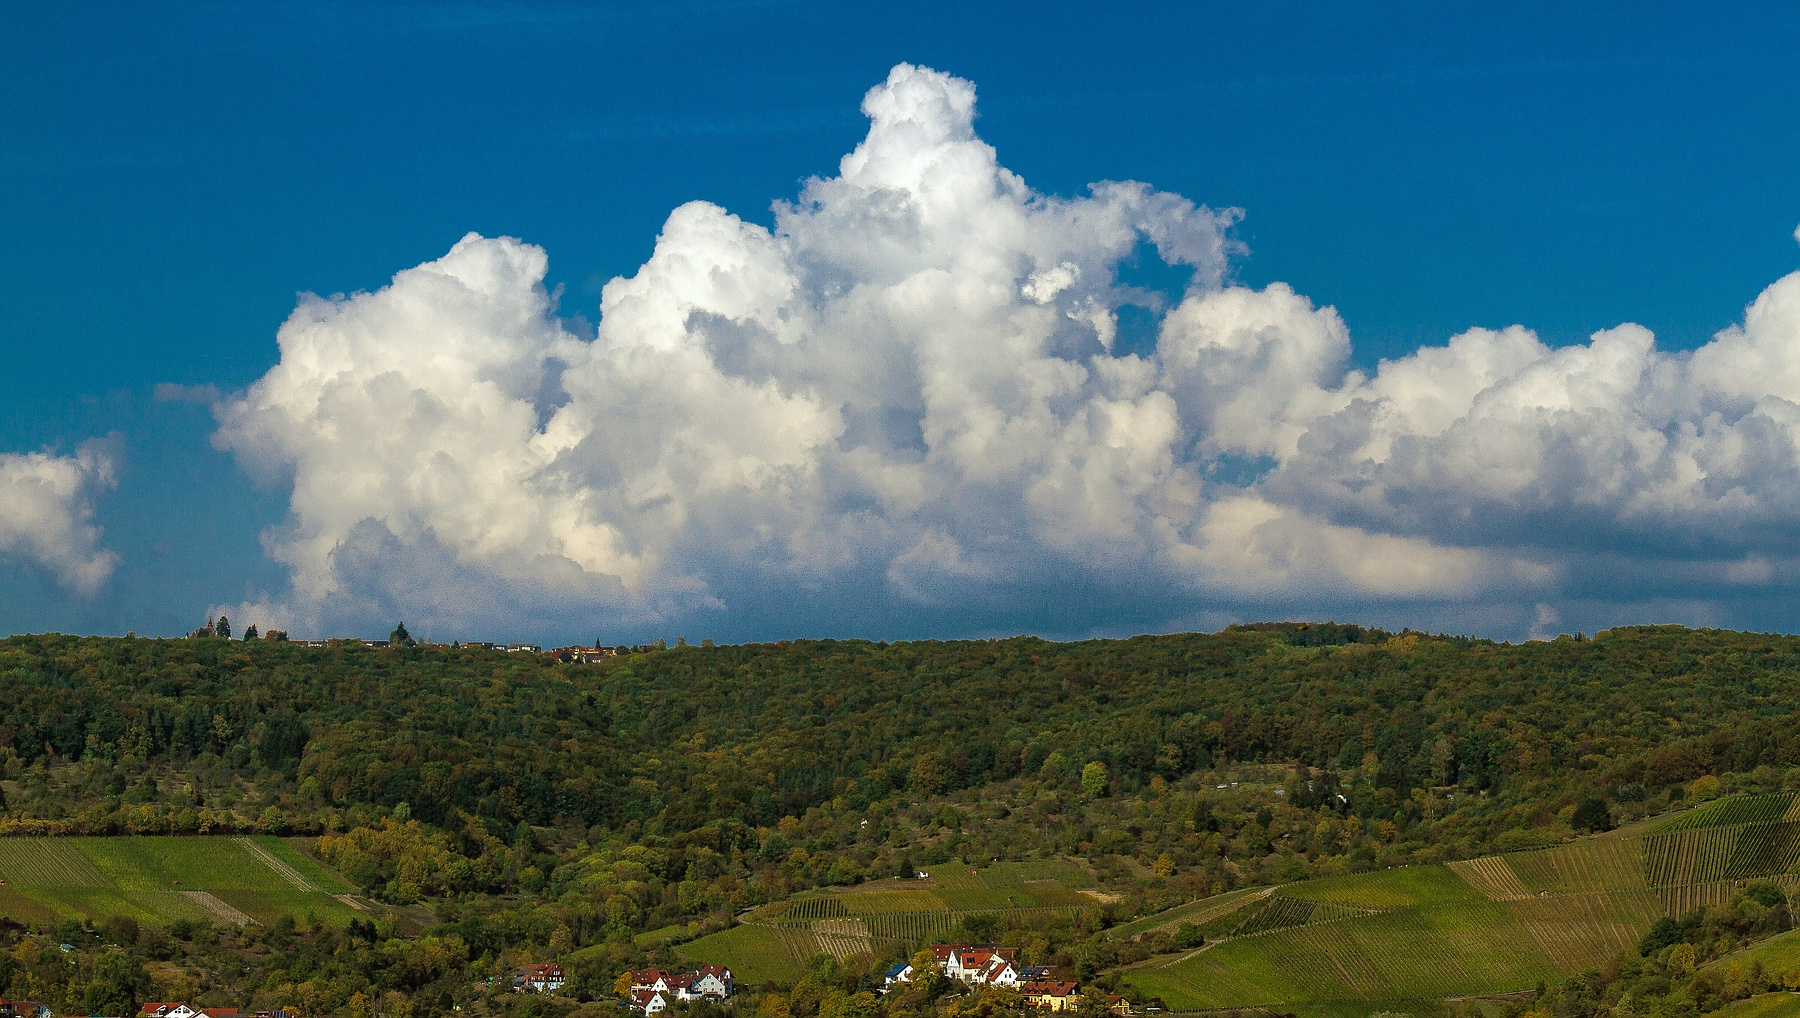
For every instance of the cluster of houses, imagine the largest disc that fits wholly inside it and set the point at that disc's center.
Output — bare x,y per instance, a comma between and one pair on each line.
991,965
653,989
176,1009
516,648
975,965
155,1009
574,654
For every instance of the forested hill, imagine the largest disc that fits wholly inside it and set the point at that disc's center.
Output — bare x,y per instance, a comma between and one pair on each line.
739,737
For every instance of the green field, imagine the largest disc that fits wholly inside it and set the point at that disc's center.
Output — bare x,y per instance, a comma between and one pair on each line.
776,940
755,955
1482,926
157,880
1767,1005
1205,913
1491,925
1778,954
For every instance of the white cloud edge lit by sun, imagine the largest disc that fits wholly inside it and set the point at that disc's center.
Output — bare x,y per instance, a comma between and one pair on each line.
47,513
913,387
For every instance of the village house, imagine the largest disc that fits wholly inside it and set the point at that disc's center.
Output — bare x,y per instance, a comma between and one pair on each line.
23,1009
974,964
1050,995
978,964
173,1009
711,982
655,980
647,1002
583,655
543,978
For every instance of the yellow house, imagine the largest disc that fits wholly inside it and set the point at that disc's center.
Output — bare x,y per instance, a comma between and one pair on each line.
1051,996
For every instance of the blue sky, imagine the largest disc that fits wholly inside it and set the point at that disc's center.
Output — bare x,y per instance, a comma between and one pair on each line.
176,178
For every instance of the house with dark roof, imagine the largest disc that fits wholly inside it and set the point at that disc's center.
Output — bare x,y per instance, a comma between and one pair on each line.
542,978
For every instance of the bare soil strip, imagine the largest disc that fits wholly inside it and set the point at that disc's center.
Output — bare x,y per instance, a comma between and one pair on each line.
218,908
282,869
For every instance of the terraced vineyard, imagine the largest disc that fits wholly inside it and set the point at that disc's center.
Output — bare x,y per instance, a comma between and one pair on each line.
1725,841
755,954
1739,809
1204,913
159,880
1280,911
1488,925
777,939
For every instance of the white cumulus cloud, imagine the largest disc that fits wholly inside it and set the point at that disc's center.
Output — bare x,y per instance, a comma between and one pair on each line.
47,513
912,390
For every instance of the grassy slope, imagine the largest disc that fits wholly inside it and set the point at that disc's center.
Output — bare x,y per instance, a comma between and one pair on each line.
1778,953
1197,912
141,877
1436,933
778,939
1400,888
755,955
1767,1005
1487,925
1437,937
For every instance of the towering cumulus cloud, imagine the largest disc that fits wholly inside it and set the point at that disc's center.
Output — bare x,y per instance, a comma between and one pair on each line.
46,514
917,389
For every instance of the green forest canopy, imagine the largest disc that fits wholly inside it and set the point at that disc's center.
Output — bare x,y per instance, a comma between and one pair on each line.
686,737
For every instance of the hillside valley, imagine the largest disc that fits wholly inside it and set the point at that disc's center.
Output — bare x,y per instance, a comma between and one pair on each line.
1292,817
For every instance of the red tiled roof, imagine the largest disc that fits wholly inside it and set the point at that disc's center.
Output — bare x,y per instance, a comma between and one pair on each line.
1048,989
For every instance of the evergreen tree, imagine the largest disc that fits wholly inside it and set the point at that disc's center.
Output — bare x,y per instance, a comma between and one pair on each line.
250,633
400,637
1592,815
222,628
